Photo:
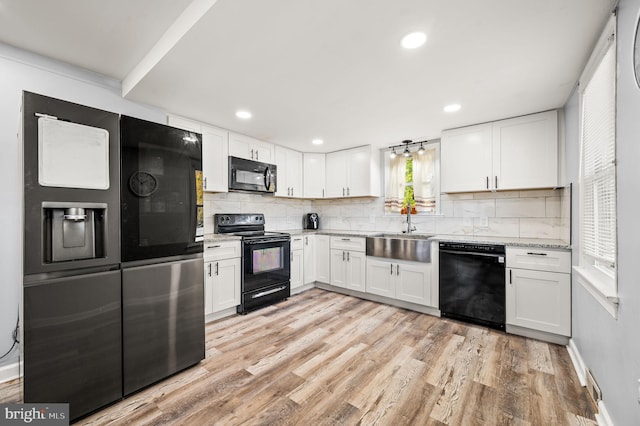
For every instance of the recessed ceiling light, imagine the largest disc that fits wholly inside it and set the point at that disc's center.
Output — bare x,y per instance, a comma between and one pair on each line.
245,115
452,108
413,40
317,141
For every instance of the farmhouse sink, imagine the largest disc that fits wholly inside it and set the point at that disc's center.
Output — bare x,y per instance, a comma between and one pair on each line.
400,246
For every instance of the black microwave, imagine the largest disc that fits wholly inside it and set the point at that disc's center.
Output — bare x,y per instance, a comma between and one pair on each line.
249,175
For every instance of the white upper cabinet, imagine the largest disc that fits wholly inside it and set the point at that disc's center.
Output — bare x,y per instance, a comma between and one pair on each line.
525,152
518,153
353,173
215,145
251,149
314,175
465,159
289,180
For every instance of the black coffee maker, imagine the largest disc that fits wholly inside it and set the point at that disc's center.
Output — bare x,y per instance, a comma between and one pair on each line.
311,221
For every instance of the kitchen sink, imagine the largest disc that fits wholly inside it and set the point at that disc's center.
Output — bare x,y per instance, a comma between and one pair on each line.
400,246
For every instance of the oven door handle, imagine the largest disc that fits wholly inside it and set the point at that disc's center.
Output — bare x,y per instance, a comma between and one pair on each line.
268,292
270,240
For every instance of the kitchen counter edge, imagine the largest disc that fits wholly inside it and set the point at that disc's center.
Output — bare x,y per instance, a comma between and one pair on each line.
507,241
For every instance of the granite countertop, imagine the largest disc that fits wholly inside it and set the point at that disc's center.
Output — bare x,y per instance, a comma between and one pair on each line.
508,241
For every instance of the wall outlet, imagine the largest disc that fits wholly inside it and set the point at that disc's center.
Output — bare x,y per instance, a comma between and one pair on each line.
372,218
483,222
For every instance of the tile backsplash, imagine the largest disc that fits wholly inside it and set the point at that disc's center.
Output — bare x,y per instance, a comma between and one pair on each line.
525,214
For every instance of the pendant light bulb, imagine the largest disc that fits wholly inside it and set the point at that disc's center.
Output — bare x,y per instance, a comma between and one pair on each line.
421,149
406,152
392,154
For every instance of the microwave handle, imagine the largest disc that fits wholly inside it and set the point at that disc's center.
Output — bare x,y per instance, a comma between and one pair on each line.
267,178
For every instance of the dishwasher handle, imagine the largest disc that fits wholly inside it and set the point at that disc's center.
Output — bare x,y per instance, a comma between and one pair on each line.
473,253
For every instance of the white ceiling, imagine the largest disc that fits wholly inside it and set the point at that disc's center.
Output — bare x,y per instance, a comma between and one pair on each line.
330,69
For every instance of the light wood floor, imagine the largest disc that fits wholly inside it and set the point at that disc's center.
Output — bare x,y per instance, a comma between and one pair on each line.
322,358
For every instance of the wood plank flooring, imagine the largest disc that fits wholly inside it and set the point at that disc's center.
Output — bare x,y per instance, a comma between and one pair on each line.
322,358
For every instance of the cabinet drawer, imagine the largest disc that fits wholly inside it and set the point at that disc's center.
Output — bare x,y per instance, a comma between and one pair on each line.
539,259
348,243
221,250
297,242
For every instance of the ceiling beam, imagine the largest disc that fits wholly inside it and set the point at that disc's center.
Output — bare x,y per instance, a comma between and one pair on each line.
187,19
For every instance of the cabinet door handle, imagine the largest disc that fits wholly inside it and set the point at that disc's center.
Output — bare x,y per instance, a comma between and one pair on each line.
209,272
343,256
348,259
306,241
217,268
530,253
343,192
392,269
487,182
252,154
510,276
397,269
346,239
216,246
257,155
496,182
322,192
205,183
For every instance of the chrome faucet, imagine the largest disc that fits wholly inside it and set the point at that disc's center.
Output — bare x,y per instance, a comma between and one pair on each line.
409,227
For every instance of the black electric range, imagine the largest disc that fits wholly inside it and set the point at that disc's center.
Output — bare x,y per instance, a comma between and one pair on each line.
266,259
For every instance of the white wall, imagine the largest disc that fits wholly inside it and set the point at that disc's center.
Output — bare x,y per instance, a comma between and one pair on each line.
23,71
610,347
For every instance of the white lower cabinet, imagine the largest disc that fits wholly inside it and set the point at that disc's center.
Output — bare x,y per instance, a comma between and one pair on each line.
310,263
222,269
398,279
323,258
538,290
348,262
297,262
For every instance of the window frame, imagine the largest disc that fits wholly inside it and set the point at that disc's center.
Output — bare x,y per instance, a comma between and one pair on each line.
385,153
599,279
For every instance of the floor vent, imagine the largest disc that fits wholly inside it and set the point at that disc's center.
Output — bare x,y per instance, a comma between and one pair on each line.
592,387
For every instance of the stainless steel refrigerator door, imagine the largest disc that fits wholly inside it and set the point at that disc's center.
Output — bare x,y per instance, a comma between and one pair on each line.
163,320
73,341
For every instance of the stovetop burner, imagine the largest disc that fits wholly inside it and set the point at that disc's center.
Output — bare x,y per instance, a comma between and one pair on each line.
244,225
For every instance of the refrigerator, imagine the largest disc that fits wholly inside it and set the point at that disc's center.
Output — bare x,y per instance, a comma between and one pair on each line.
162,233
72,345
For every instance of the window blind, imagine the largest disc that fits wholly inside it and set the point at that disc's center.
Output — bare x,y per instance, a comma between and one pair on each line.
598,169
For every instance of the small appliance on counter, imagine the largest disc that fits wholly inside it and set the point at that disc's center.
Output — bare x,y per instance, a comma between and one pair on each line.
311,221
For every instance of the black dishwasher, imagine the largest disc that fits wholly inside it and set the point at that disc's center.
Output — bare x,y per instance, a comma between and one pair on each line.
472,283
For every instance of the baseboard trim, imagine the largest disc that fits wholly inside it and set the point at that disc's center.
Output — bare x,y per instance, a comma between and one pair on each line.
578,363
602,417
538,335
9,372
380,299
